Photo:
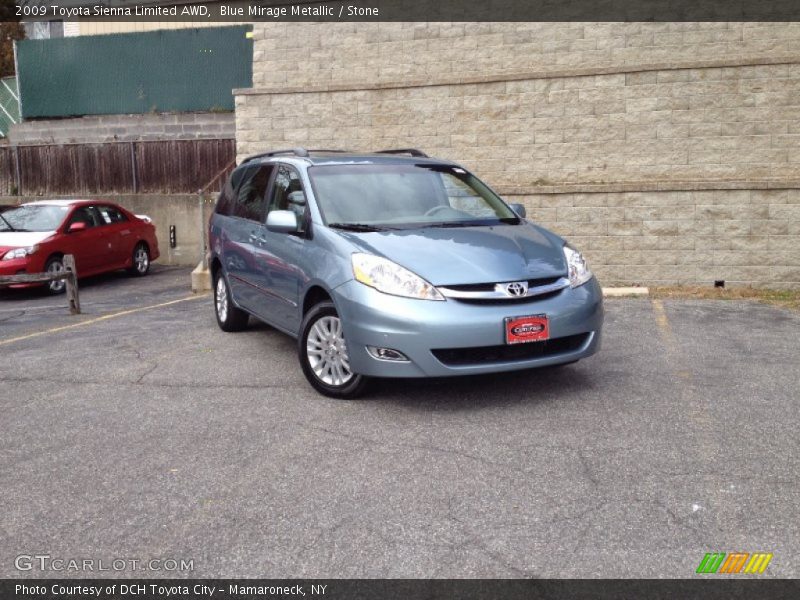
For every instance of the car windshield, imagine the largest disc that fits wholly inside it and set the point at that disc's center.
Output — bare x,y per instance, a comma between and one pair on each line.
370,197
33,218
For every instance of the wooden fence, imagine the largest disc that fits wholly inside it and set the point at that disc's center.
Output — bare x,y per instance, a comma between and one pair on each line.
157,167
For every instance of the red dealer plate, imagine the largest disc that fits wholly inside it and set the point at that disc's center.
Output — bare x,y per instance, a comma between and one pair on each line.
533,328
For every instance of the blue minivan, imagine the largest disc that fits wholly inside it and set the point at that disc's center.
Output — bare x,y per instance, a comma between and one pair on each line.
394,264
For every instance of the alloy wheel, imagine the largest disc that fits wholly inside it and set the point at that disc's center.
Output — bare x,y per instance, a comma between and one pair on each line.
327,352
222,299
141,260
54,268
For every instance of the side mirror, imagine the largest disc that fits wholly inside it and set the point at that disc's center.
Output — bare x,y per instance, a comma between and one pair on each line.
76,227
282,221
519,209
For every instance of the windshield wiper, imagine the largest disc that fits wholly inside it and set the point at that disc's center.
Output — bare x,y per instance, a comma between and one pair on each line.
478,223
446,224
357,227
10,226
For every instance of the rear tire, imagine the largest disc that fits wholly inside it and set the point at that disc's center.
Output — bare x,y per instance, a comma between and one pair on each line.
140,260
55,264
229,318
323,354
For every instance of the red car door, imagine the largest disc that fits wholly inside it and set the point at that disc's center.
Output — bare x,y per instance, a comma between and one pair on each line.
90,245
118,233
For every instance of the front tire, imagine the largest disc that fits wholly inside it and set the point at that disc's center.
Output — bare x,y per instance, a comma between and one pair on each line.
55,264
140,260
323,354
229,318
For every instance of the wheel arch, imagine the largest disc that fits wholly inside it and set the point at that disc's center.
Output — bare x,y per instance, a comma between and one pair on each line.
54,254
315,294
214,266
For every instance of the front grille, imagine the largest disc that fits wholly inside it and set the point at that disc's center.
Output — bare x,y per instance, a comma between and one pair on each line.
507,301
489,287
459,357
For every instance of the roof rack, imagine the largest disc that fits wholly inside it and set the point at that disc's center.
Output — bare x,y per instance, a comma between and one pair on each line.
411,151
301,152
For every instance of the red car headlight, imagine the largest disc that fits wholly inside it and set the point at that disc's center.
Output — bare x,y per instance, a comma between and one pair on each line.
20,252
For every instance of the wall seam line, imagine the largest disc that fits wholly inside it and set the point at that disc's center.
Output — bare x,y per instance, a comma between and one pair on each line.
609,70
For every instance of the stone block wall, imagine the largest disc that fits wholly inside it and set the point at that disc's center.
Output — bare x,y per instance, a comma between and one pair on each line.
669,152
688,237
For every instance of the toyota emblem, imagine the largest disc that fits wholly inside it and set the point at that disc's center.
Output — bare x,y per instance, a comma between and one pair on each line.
516,288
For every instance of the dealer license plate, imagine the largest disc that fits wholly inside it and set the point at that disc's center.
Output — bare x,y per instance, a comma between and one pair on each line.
533,328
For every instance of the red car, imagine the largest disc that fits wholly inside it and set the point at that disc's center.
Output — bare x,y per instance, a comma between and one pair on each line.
102,236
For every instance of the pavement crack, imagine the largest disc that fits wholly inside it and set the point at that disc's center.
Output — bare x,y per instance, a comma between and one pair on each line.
323,533
587,470
424,447
472,539
152,368
13,316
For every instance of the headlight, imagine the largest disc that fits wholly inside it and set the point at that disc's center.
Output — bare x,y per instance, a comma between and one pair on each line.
577,268
20,252
390,278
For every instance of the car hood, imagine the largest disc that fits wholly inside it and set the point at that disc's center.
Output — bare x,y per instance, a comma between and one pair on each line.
21,239
468,255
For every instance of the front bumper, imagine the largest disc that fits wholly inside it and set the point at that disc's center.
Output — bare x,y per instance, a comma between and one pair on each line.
18,266
417,327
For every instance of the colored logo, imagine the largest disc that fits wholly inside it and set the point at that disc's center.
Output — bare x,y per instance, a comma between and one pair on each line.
734,562
527,329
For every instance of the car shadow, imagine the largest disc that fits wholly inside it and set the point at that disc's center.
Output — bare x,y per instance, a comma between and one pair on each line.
465,392
475,392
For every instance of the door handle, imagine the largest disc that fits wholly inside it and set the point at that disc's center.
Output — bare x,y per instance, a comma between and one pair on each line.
257,239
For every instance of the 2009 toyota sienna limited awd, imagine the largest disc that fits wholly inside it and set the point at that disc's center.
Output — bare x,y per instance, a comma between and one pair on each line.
394,264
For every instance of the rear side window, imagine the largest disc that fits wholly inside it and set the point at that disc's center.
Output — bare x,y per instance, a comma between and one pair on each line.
252,193
227,196
111,215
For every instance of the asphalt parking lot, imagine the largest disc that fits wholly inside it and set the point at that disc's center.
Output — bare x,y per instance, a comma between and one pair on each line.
140,430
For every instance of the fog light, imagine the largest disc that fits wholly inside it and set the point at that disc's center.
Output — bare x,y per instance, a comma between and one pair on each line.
387,354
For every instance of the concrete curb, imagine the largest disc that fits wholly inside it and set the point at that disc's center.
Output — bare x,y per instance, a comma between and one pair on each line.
201,279
613,292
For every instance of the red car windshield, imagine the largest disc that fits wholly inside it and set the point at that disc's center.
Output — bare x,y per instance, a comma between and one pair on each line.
33,218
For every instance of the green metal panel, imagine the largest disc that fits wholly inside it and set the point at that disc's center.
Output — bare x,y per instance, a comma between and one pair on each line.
160,71
9,104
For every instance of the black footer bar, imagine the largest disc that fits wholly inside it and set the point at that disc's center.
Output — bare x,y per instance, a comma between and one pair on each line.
707,588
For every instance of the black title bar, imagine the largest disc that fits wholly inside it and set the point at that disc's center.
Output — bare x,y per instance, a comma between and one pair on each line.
407,10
